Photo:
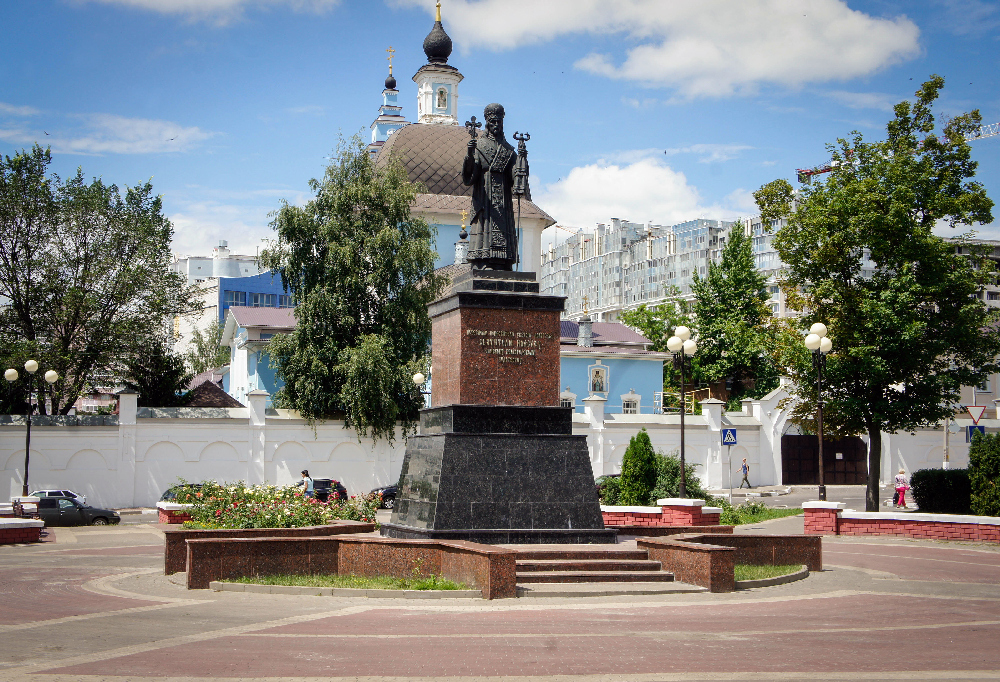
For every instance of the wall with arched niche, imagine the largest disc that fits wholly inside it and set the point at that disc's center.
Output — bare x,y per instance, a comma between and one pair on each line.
159,468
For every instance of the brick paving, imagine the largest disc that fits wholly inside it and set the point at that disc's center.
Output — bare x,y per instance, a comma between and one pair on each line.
92,607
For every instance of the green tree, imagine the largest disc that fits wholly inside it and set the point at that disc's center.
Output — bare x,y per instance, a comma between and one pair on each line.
668,479
204,352
907,328
984,474
734,339
638,470
361,269
157,374
86,270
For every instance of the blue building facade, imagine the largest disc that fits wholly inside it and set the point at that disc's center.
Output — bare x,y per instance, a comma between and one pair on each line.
629,382
259,291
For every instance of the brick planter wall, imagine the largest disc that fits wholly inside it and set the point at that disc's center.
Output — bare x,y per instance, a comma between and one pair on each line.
671,512
486,567
175,541
172,512
831,519
16,531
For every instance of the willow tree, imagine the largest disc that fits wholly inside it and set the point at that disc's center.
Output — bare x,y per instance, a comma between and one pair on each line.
360,268
907,324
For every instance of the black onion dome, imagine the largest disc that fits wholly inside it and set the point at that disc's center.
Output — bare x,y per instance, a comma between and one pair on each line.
437,45
390,82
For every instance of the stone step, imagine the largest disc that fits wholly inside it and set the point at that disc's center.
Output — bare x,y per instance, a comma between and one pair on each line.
594,577
581,554
587,565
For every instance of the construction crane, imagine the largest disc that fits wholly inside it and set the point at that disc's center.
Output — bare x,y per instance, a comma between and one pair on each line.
805,175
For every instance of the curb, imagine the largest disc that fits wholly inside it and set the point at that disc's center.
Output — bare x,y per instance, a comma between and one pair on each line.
586,590
218,586
771,582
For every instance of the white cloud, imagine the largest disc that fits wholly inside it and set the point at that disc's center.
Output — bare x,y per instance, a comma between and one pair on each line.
111,134
708,153
882,101
710,48
16,110
219,11
646,190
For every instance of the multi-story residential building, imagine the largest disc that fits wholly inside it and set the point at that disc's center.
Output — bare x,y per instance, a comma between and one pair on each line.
222,263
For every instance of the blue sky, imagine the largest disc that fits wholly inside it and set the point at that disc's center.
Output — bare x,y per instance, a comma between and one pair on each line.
640,109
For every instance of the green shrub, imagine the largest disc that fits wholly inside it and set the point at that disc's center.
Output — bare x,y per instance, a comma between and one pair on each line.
941,491
609,488
668,479
638,470
984,475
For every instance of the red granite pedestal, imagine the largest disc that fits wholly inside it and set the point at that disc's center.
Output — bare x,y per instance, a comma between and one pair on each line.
496,460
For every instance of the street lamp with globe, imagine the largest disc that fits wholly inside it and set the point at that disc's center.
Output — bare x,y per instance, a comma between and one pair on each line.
683,347
820,345
12,375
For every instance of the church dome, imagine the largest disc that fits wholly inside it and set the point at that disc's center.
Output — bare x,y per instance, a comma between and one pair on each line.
437,45
390,82
431,154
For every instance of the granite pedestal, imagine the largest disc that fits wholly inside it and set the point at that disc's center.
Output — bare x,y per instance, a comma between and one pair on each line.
497,462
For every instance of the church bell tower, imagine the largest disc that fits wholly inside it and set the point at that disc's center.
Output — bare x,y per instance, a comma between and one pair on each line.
437,81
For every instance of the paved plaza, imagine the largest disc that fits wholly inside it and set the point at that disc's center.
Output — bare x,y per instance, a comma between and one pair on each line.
92,605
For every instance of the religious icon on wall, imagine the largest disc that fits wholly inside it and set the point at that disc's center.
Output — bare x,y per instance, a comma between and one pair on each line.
598,379
442,102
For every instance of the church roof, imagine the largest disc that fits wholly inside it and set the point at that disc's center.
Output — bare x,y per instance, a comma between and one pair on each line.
433,154
610,333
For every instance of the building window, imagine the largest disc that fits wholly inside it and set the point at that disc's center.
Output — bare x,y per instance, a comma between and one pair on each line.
442,99
630,407
284,301
566,402
264,300
236,298
993,295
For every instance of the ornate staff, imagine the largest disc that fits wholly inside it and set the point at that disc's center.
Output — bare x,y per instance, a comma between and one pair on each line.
520,188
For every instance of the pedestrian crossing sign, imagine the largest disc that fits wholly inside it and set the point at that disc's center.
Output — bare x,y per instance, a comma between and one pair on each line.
729,436
971,431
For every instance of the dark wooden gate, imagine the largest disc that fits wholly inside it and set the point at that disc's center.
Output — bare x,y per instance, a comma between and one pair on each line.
800,461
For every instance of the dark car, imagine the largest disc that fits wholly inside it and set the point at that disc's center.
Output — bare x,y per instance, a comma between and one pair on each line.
64,511
324,487
388,494
170,494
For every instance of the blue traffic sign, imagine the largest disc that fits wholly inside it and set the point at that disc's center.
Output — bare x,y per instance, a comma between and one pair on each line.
970,432
729,436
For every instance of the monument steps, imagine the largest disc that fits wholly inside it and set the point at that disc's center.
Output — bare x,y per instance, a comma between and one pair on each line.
533,553
595,577
588,565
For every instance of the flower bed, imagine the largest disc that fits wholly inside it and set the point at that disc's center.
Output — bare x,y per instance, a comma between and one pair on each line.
238,505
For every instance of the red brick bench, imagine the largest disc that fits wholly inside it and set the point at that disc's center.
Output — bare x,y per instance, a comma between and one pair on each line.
673,511
16,531
830,518
173,512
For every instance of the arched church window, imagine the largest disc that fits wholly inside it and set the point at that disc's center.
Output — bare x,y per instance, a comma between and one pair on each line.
442,99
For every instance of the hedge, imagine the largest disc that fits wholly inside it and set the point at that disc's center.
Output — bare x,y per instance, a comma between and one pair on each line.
941,491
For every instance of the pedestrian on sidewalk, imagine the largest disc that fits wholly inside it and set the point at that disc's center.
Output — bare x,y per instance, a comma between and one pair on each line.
307,482
746,472
902,485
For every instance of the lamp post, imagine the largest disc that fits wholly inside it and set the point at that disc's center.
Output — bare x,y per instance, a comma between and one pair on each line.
11,375
820,345
683,347
418,381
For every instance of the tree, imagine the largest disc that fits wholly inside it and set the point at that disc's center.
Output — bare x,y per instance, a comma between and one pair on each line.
157,374
204,352
733,320
361,269
638,470
86,270
907,328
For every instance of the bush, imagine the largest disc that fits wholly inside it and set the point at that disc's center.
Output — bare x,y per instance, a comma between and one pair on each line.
638,470
238,505
668,479
941,491
984,475
608,489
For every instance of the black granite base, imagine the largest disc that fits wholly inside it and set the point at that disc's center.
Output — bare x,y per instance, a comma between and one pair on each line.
506,536
493,474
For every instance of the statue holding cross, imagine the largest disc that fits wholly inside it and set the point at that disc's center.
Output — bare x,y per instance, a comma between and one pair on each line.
489,169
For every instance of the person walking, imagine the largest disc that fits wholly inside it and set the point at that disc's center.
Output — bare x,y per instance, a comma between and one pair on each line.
307,482
745,468
902,485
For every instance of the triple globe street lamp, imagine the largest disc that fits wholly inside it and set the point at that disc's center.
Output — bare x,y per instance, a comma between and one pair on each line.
12,375
683,347
820,345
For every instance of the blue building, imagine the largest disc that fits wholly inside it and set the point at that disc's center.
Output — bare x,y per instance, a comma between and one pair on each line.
259,291
247,334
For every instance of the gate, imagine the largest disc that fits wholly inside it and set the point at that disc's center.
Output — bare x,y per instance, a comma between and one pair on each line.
844,461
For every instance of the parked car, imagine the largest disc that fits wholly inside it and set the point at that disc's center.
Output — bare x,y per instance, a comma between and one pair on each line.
170,494
65,511
60,493
323,487
388,493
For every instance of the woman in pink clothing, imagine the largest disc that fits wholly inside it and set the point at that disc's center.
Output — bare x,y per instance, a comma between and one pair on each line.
902,485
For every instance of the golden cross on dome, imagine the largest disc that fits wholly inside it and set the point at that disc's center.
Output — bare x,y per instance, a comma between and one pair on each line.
438,12
465,216
586,299
391,53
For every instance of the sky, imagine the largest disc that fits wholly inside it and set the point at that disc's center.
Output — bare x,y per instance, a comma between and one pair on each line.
645,110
